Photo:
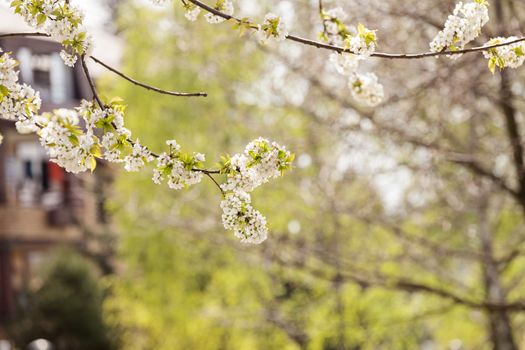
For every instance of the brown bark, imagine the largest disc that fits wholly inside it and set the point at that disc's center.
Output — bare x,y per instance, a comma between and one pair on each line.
499,322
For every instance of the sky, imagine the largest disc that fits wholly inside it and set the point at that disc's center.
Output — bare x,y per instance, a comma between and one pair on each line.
96,13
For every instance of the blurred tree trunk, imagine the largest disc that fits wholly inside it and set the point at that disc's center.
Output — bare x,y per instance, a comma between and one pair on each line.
499,323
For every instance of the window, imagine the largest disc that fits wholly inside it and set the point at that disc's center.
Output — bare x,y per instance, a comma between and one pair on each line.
38,182
48,75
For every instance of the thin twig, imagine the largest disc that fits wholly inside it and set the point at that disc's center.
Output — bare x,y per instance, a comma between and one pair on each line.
146,86
90,82
215,182
103,107
114,70
321,14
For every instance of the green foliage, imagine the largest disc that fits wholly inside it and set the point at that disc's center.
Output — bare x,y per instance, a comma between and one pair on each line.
67,308
185,284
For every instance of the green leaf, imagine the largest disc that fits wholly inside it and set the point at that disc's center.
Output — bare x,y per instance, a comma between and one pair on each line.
492,65
3,92
15,3
92,163
40,19
73,139
96,151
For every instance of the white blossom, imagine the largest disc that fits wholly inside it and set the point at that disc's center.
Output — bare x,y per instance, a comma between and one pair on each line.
238,215
272,27
336,13
224,6
261,161
69,59
140,155
512,55
62,21
463,26
17,101
363,42
345,63
65,142
193,13
178,168
366,89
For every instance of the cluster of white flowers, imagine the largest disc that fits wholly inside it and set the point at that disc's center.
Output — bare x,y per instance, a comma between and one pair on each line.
261,161
224,6
76,138
336,31
238,215
346,63
272,27
62,21
333,15
179,168
116,145
192,12
65,141
361,44
358,40
69,135
366,88
18,102
139,156
463,26
512,55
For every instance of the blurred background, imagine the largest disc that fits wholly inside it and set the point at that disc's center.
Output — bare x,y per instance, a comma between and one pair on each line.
400,227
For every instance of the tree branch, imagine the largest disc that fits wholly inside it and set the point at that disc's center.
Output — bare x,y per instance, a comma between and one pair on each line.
146,86
114,70
321,45
208,173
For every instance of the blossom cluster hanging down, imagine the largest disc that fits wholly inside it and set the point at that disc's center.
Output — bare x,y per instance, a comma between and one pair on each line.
76,139
463,26
260,162
62,21
361,43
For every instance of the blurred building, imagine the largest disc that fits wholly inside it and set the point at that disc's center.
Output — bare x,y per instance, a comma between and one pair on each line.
41,206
